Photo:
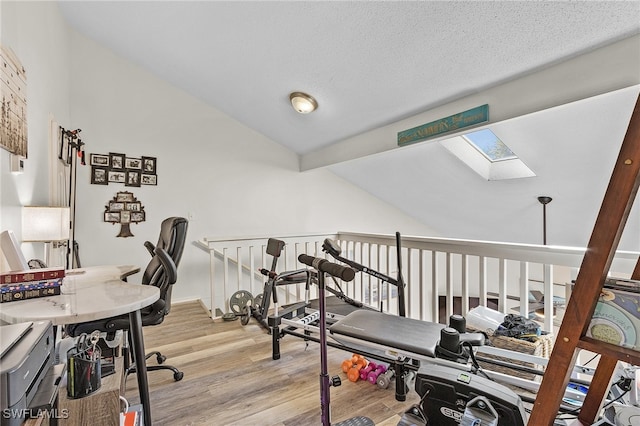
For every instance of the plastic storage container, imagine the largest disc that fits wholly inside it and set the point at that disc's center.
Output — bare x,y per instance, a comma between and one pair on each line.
482,318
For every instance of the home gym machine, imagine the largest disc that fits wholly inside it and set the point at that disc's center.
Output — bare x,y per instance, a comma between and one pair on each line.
450,396
330,247
244,305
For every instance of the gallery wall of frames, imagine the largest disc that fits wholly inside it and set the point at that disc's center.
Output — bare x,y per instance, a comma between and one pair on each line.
113,167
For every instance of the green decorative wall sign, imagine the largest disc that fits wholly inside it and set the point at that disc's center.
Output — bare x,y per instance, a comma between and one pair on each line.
449,124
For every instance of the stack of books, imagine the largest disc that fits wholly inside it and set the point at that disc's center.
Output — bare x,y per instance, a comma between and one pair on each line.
29,284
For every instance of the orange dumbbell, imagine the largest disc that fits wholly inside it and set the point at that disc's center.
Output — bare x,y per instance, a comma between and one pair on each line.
354,360
359,363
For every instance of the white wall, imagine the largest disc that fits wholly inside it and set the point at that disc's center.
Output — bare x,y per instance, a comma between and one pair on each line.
39,37
232,180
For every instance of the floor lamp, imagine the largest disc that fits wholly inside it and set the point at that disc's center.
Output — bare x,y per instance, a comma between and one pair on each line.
544,200
49,225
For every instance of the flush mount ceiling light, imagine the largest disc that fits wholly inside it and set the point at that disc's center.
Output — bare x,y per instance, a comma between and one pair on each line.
302,102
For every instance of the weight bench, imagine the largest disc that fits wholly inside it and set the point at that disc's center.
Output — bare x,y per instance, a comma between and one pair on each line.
399,341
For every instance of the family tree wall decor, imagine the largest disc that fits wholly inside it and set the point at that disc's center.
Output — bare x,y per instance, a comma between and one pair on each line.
118,168
124,209
13,112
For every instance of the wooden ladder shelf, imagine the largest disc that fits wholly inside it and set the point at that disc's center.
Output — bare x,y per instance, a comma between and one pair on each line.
603,243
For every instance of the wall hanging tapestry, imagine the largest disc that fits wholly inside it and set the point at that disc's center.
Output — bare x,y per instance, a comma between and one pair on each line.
13,91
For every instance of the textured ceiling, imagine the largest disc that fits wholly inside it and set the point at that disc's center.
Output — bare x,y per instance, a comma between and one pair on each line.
370,64
367,63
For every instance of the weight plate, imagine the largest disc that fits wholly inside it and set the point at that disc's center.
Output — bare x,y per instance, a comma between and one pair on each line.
229,316
246,316
257,303
239,300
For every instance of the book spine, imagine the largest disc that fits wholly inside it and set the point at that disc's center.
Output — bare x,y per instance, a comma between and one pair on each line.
15,295
20,277
32,285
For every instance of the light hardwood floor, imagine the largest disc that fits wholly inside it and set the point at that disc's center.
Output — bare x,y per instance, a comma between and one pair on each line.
230,378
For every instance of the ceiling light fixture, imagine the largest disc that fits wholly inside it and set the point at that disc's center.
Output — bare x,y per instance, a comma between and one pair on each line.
303,103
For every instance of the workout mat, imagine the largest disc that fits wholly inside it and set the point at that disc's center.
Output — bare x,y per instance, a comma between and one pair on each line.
395,332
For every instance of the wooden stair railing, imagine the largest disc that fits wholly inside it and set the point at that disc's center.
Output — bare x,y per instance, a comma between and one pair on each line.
603,243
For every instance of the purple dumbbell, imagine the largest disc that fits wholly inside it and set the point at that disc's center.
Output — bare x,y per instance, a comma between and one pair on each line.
366,370
372,377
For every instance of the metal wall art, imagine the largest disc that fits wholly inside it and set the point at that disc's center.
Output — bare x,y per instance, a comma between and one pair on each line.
124,209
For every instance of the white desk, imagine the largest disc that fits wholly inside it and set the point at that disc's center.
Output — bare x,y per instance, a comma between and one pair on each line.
89,294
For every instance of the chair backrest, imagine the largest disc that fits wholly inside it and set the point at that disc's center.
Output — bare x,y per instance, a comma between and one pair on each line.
173,234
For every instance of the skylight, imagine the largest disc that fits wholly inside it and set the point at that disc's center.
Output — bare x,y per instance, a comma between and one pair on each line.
487,155
489,145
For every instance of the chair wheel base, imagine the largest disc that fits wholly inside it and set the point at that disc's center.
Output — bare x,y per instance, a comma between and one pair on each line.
178,376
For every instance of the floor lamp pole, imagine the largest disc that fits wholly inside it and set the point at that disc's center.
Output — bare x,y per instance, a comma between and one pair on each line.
75,146
544,200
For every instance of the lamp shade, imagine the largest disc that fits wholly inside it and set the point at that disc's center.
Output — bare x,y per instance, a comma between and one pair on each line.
45,224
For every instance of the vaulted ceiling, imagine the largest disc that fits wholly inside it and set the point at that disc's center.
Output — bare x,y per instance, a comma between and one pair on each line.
372,64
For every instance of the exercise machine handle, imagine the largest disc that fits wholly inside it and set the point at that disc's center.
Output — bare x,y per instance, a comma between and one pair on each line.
268,273
343,272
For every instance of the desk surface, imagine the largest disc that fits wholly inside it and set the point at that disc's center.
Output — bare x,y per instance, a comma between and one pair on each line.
87,294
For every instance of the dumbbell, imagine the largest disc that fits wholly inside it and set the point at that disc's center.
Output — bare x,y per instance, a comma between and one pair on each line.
354,373
354,360
372,377
368,369
384,379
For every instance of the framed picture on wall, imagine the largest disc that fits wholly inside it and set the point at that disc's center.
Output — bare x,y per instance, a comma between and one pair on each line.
133,163
125,196
133,178
116,206
112,217
99,175
137,216
13,90
117,160
146,179
134,207
125,216
100,160
118,176
149,165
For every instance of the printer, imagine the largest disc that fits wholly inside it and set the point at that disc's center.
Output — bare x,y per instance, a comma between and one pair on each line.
26,358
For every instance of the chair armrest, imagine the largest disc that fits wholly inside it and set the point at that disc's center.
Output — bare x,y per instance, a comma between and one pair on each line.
168,265
150,247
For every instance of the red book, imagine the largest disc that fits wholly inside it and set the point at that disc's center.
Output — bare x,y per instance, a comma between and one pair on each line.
31,275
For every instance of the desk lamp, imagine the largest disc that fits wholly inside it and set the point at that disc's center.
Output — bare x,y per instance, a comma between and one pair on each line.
49,225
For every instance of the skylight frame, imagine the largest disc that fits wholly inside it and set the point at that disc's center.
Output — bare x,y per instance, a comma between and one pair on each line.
475,159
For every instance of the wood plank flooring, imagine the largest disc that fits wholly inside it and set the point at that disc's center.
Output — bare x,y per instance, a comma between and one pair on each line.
230,378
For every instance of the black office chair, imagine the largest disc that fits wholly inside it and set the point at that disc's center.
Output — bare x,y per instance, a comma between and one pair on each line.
160,272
